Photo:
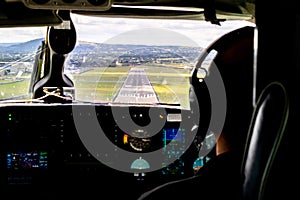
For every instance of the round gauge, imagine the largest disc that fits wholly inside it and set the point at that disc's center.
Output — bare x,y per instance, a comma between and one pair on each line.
139,144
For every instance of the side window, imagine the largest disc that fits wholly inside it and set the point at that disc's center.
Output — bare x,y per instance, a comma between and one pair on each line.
18,49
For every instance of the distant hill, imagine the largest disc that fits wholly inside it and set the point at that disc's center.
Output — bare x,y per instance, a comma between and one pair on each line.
24,47
6,44
106,50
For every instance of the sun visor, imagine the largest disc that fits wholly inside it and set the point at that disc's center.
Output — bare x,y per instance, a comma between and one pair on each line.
15,14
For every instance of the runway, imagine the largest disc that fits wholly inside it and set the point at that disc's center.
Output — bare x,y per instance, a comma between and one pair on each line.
136,89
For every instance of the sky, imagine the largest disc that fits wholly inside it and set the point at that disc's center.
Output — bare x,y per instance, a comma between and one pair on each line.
133,31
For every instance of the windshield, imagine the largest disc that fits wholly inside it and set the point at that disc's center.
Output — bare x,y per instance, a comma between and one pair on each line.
117,60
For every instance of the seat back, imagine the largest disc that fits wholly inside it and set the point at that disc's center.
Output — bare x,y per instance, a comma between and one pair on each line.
264,137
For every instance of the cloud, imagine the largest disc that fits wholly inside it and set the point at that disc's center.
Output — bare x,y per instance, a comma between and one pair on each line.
21,34
130,30
152,36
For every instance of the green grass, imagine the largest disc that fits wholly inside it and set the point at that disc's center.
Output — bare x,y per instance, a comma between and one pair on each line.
100,84
11,88
171,85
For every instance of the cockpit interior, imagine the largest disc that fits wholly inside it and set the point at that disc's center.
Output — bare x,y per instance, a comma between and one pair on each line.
108,99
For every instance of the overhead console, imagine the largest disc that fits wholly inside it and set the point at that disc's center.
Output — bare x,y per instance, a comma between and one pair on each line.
19,13
91,5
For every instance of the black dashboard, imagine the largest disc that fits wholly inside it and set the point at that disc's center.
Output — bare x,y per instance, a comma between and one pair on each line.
77,149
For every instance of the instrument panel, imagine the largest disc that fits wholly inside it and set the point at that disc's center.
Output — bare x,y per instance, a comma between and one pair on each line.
54,146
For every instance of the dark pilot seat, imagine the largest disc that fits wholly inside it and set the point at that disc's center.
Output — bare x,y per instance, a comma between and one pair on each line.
265,132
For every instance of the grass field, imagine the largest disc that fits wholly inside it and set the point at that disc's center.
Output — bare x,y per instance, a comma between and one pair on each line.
99,84
171,85
102,84
11,88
